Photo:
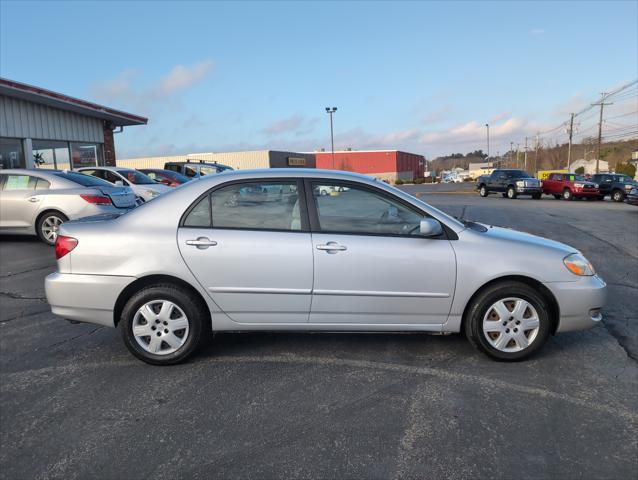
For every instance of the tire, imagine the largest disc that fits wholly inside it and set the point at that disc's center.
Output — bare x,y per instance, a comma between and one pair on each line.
567,195
47,226
536,196
511,193
618,196
191,324
504,195
483,191
500,342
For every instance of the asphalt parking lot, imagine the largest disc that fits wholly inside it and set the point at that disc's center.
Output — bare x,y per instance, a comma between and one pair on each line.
75,404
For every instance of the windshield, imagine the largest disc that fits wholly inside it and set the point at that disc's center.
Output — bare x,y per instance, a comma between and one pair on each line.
82,179
137,178
519,174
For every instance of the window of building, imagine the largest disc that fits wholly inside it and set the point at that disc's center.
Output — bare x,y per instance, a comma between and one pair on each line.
86,154
360,211
257,206
11,153
51,154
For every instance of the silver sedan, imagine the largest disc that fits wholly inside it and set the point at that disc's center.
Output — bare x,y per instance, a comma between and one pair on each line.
363,257
36,202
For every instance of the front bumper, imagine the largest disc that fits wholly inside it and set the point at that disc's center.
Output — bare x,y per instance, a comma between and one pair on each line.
85,298
632,199
586,192
529,190
579,302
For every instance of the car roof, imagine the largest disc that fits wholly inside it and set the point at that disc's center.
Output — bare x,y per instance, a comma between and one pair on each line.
28,171
112,169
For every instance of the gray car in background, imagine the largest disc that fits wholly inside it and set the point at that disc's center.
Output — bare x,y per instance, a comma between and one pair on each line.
36,202
366,257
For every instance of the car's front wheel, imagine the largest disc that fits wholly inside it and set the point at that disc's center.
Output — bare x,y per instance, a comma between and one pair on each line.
164,324
567,194
48,225
483,191
511,193
508,321
617,196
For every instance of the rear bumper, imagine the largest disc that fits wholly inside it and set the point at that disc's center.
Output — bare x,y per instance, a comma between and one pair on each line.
580,302
84,298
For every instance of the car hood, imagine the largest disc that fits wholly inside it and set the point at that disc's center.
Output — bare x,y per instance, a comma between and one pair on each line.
514,236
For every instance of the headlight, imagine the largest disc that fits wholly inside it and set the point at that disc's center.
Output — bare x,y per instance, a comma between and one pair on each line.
152,193
579,185
596,185
540,184
520,183
579,265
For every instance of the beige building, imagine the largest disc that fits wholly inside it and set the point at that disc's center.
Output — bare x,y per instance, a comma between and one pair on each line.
237,160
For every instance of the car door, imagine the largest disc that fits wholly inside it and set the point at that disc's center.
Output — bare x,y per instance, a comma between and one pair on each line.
372,266
253,256
18,201
550,184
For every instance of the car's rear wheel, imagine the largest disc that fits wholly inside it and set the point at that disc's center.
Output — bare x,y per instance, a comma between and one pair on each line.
483,191
567,194
511,193
508,321
48,225
164,324
617,195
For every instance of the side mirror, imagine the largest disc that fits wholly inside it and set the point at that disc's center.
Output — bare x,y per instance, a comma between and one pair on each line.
430,227
119,183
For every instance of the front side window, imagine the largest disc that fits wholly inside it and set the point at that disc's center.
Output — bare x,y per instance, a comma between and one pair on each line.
135,177
190,171
354,210
257,206
20,182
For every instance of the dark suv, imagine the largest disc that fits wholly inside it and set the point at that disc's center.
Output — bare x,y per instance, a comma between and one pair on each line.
196,169
613,184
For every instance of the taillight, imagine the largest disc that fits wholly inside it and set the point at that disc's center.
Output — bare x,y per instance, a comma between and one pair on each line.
64,245
97,199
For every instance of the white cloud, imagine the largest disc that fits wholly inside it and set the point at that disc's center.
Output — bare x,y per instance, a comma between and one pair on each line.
182,77
297,124
537,31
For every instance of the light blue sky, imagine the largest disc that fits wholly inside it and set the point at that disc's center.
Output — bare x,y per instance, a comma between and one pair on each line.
417,76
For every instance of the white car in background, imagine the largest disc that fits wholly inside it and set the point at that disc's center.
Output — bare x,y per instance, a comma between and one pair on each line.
144,186
37,202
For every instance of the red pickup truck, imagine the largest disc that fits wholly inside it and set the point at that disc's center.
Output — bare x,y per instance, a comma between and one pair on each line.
569,186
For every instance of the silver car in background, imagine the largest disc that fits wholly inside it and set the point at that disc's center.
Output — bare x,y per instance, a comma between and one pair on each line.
36,202
366,257
144,186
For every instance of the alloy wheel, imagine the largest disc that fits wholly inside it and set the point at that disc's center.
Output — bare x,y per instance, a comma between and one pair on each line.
160,327
50,227
511,324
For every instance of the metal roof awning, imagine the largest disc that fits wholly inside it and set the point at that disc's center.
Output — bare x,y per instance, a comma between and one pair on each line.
11,88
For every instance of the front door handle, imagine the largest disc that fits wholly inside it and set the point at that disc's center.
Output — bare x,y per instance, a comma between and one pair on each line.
201,243
332,247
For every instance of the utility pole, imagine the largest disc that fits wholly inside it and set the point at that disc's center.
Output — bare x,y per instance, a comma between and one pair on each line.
536,152
525,167
330,111
518,149
488,140
511,151
600,127
569,148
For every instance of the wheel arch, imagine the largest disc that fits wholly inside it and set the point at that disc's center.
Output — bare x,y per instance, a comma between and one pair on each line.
554,310
146,281
44,212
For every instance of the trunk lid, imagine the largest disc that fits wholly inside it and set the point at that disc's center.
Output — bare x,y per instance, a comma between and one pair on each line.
122,197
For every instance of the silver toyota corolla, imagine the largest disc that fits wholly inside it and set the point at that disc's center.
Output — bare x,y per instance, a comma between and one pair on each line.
217,255
36,202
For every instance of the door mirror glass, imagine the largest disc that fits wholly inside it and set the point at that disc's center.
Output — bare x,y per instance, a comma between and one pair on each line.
430,227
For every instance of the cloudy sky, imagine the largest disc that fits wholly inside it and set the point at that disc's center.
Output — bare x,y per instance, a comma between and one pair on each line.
418,76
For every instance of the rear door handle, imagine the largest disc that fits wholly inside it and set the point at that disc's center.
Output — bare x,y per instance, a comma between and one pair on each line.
201,243
33,199
332,247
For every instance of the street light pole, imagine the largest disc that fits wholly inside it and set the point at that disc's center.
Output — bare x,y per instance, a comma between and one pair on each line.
330,111
488,140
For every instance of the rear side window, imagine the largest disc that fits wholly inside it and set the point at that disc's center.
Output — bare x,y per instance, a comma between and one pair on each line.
42,184
190,172
20,182
199,216
257,206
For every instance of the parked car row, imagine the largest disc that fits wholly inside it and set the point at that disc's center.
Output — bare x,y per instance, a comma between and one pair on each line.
569,186
37,202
